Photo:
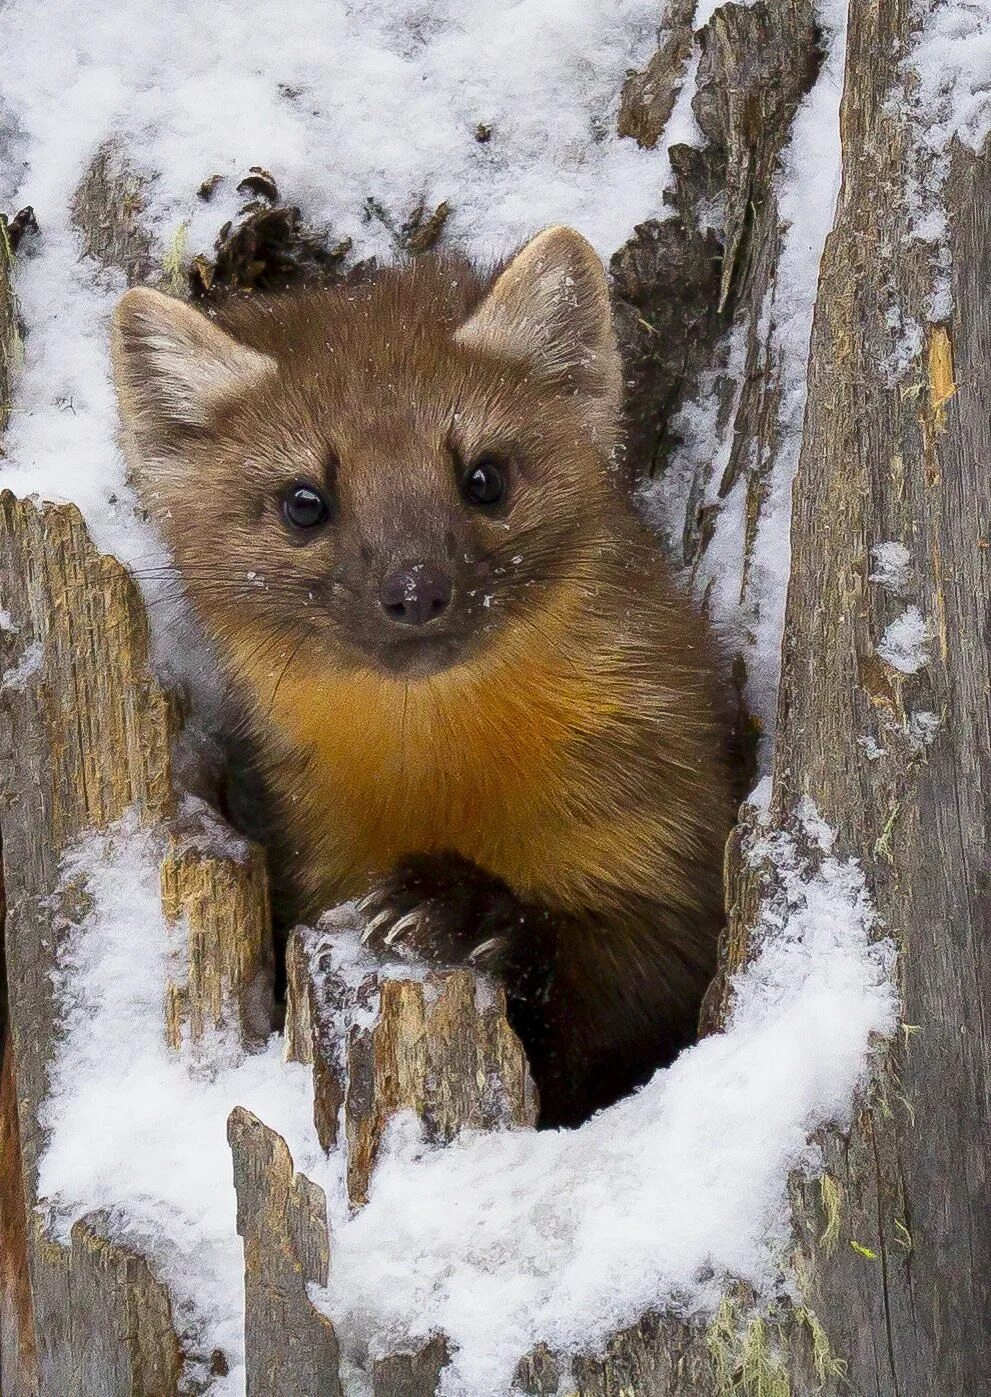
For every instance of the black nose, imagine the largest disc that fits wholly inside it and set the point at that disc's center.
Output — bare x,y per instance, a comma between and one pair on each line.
415,594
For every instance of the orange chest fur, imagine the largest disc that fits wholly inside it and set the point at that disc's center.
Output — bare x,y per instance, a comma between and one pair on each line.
497,770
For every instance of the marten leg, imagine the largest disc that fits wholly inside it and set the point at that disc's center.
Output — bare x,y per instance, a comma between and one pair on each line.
599,1000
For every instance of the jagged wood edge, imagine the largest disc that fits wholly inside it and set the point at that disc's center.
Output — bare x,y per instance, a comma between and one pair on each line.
290,1348
84,738
103,755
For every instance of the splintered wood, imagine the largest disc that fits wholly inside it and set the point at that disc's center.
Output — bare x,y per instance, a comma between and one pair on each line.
223,904
84,737
290,1348
432,1052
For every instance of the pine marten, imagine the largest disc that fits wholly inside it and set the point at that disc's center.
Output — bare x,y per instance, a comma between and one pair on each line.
483,707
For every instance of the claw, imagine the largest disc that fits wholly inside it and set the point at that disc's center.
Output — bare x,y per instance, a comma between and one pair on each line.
485,947
403,924
374,924
364,903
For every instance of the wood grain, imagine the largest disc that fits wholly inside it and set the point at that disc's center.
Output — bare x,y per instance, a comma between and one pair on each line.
290,1349
434,1052
223,903
905,1294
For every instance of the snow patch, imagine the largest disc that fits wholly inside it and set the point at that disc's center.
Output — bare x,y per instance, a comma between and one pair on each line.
922,729
905,640
499,1241
752,616
892,562
947,95
30,663
132,1129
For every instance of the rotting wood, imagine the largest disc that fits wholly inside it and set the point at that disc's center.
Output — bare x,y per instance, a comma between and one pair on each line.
440,1047
307,1039
894,1293
290,1348
106,210
10,337
85,736
648,97
695,291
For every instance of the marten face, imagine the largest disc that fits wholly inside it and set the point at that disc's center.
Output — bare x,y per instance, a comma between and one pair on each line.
384,477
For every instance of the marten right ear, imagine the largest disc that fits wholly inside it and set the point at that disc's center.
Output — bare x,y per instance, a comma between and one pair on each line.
549,308
173,366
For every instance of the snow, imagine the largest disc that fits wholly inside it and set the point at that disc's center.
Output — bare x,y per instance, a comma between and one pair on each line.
923,727
563,1235
947,96
344,102
17,676
951,62
569,1236
135,1129
892,563
904,643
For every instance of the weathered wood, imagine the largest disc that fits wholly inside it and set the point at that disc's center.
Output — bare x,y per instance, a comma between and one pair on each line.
223,902
696,296
290,1349
113,1331
85,733
410,1375
648,97
905,1293
743,886
300,1022
106,210
432,1051
10,338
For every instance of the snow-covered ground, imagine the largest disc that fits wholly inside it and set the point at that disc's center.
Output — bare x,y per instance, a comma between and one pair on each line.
504,1241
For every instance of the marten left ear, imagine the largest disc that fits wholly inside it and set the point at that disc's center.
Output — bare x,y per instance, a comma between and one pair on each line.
174,367
549,308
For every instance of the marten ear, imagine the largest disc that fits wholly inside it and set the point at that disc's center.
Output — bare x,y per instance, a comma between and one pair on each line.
549,308
173,366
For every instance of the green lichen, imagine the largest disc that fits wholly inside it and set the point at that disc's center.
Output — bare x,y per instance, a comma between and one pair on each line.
174,261
861,1250
722,1340
831,1194
763,1372
828,1368
745,1359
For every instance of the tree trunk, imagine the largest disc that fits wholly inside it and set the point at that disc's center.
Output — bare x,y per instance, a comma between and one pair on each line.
891,1262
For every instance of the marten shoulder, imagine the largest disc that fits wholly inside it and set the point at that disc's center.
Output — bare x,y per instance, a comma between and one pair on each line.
481,705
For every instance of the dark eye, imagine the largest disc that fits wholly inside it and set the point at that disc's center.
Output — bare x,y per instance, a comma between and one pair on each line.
484,483
304,507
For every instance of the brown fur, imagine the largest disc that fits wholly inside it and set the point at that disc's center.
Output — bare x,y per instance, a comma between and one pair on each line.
563,732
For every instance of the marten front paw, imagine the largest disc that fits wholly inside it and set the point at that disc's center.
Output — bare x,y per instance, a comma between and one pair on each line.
443,909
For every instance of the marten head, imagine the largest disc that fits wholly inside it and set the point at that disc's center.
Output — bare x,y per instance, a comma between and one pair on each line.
389,475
